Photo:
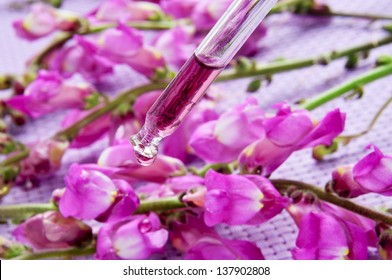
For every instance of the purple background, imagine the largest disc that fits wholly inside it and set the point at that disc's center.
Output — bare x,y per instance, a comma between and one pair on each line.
290,37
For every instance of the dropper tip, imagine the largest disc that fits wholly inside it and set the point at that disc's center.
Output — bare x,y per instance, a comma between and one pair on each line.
145,152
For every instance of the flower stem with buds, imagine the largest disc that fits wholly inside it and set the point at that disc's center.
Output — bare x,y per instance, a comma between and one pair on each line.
282,185
353,84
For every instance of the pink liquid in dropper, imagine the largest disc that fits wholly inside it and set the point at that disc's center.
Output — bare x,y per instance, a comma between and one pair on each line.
167,113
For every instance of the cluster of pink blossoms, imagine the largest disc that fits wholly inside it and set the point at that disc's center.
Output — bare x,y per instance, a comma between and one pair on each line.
111,192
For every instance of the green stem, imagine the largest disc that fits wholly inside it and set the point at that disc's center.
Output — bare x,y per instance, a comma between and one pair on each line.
142,25
220,167
162,204
20,212
282,185
288,65
354,15
357,82
284,6
16,158
291,4
71,252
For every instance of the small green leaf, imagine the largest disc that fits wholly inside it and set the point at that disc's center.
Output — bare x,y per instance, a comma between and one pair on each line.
254,86
352,61
319,152
92,100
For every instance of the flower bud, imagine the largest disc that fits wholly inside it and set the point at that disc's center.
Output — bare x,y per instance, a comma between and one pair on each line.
43,20
385,245
50,230
343,183
131,239
374,172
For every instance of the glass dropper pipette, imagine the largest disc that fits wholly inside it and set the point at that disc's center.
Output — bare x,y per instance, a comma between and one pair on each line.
188,87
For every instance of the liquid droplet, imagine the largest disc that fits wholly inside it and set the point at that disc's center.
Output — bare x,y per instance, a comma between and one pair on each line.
145,153
143,160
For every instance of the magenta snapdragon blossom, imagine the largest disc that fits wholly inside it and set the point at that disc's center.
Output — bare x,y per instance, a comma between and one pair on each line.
223,139
343,182
372,174
235,199
288,131
96,56
137,237
43,160
314,239
318,221
200,242
81,58
43,20
50,230
50,92
90,194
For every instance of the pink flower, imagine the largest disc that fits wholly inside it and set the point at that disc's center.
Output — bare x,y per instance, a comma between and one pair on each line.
90,194
147,61
44,159
50,230
82,58
134,238
43,20
374,173
91,132
318,221
200,242
314,239
95,57
127,167
222,140
49,92
235,199
176,45
125,10
119,44
343,183
285,133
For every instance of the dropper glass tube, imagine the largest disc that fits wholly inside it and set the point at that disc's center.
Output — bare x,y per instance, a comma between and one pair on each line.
188,87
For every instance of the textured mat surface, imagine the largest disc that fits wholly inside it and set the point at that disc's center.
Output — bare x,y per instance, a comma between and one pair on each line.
288,36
